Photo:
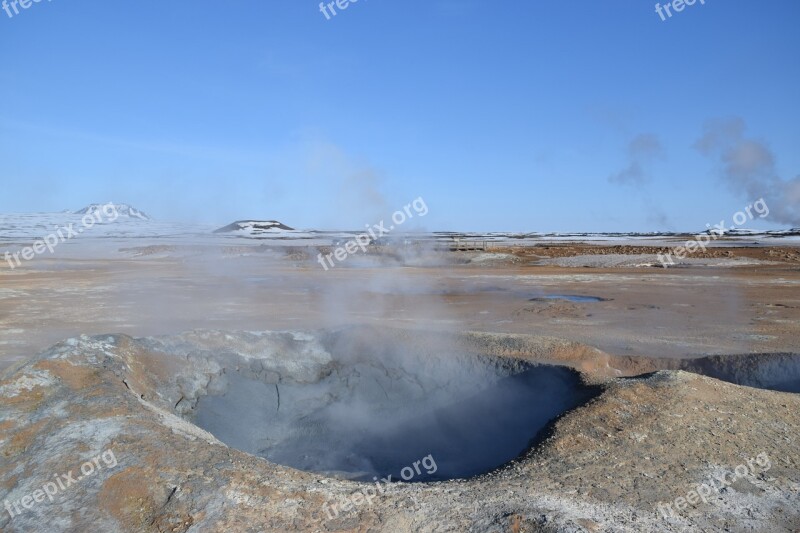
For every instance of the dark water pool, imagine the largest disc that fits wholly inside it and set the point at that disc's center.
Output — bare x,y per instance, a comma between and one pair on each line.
569,298
369,421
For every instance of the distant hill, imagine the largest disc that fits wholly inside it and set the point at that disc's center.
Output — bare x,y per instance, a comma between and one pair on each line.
123,210
745,232
254,227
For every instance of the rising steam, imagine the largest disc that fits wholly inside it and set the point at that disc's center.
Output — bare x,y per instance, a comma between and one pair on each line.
641,149
748,166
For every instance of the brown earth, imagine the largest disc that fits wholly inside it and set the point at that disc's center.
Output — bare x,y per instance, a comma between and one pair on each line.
604,467
644,442
673,312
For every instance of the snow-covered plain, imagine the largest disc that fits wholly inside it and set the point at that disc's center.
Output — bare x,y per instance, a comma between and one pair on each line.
22,229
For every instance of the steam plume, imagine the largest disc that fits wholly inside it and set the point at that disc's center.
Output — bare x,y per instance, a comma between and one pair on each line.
642,148
748,166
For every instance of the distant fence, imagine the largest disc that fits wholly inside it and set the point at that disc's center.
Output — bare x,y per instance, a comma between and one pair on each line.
455,245
468,246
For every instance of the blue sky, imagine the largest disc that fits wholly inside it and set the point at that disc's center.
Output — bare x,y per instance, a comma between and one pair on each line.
503,116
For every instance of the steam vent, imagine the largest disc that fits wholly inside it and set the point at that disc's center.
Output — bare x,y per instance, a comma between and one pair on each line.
366,429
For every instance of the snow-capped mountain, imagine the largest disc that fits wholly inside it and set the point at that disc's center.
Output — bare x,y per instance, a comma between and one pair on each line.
747,232
255,227
733,232
794,232
123,210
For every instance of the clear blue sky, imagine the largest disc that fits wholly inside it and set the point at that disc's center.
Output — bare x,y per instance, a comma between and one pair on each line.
508,115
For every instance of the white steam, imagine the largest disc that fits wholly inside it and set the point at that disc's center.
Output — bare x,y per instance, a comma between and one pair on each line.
748,166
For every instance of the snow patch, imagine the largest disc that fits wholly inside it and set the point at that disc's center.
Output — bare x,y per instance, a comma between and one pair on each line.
28,381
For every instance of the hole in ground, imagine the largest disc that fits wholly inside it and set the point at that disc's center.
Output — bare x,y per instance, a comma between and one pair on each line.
772,371
372,416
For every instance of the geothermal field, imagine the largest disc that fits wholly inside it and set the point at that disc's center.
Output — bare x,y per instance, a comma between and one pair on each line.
160,377
445,266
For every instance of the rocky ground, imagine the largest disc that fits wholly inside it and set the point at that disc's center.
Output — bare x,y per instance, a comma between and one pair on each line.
688,365
607,466
721,307
719,250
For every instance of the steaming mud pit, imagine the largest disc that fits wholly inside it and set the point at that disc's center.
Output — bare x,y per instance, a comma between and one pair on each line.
604,465
657,428
371,411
